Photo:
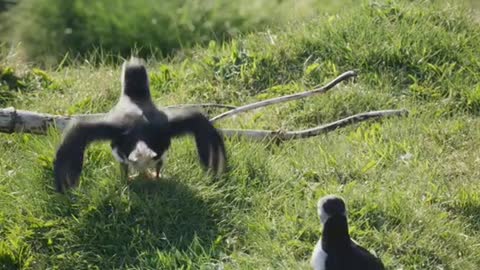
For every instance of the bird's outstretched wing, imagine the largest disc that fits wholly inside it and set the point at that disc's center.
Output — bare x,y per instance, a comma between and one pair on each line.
69,157
370,261
209,141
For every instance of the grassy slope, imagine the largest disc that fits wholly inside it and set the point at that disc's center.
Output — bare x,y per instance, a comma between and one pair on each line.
419,212
80,28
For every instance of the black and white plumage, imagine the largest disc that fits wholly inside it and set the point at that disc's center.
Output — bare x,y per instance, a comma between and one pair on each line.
335,250
139,132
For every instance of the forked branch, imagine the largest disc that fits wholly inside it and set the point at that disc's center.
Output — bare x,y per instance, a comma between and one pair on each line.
264,103
299,134
201,105
12,120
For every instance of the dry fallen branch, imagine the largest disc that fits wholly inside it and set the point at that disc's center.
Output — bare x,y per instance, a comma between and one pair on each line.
202,105
291,135
264,103
12,120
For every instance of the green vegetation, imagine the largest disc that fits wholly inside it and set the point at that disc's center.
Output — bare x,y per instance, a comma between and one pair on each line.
150,27
411,184
11,83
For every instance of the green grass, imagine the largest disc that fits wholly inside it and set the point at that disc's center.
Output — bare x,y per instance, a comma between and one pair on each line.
411,183
55,28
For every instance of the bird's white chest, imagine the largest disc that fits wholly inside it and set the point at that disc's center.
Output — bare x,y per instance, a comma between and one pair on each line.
319,257
140,158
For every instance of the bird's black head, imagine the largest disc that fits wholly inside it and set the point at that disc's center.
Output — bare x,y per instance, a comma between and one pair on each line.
329,206
135,79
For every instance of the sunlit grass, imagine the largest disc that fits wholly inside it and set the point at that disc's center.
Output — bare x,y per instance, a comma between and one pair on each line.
410,183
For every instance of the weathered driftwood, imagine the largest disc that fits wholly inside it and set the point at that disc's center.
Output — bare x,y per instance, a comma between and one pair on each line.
12,120
311,132
264,103
201,105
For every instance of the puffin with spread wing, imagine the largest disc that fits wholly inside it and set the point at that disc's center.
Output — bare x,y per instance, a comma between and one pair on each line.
140,133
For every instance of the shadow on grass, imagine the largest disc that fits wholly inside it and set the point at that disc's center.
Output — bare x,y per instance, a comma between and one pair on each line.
8,262
469,210
147,216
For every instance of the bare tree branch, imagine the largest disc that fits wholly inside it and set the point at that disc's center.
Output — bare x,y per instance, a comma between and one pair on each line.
264,103
201,105
204,105
306,133
12,120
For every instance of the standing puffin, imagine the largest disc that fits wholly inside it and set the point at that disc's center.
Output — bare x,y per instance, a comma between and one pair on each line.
139,132
335,250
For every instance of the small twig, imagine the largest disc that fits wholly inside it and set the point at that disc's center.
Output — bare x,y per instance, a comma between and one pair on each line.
291,135
272,101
